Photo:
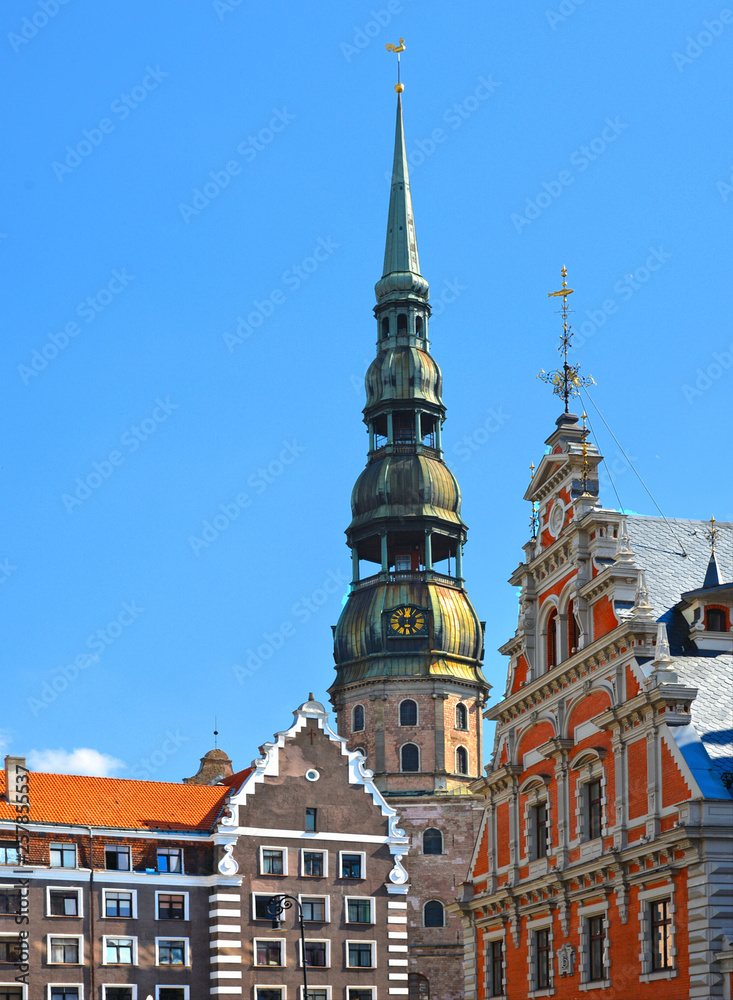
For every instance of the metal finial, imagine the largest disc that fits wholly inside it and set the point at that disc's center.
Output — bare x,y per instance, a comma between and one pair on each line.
586,467
712,533
216,735
566,381
399,87
534,517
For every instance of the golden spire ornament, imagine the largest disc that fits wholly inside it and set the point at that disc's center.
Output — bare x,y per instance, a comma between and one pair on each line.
399,87
711,534
586,467
534,517
566,381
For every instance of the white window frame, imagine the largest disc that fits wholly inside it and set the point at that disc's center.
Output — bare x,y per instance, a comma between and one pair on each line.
23,987
599,909
372,911
417,714
166,851
115,986
543,923
119,965
311,850
490,938
315,940
133,906
645,898
58,845
283,957
170,892
272,847
270,986
349,941
253,900
327,906
64,916
537,792
589,769
326,989
79,938
362,877
186,954
118,848
173,986
354,986
53,986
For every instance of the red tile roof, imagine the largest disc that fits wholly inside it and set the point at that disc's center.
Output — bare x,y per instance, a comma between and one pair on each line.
75,799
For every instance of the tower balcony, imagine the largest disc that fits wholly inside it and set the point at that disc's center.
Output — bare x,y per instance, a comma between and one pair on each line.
408,576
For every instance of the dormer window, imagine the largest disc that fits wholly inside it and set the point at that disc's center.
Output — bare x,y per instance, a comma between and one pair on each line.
714,620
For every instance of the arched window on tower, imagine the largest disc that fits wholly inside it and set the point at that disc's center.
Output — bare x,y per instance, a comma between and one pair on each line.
408,712
714,620
461,716
433,914
385,327
418,326
432,841
552,639
410,757
418,986
461,760
357,718
401,324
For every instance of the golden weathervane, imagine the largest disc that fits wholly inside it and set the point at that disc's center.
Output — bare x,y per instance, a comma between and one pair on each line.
399,87
566,381
712,534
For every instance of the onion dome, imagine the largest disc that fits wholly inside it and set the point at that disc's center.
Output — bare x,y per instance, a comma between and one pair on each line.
405,485
403,373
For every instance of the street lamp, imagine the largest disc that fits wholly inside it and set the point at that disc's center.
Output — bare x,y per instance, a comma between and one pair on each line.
276,907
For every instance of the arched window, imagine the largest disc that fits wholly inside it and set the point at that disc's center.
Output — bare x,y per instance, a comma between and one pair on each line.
401,324
418,325
410,757
433,914
552,639
385,327
714,620
357,718
418,986
461,716
461,760
432,841
408,712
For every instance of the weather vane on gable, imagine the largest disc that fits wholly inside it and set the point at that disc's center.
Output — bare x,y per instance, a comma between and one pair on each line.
712,533
397,48
566,381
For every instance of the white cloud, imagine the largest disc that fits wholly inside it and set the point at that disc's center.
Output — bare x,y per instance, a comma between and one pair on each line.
80,760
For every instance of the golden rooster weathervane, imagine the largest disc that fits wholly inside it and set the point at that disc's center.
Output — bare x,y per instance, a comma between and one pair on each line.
399,87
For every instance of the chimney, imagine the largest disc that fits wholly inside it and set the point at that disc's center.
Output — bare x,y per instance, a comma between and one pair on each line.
11,770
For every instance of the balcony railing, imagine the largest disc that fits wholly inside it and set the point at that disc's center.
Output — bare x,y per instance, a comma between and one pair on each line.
407,576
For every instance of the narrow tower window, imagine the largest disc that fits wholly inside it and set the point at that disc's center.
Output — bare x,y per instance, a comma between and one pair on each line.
408,712
461,716
410,757
552,639
432,841
385,327
433,914
357,718
461,760
401,324
418,325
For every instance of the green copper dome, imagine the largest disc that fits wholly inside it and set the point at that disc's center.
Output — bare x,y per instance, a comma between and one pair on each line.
406,486
403,373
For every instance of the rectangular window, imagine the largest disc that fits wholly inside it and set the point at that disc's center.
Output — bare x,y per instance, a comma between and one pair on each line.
171,993
319,993
314,909
542,959
9,900
359,954
596,941
539,830
62,856
9,855
316,954
261,903
313,864
273,861
119,951
9,950
171,952
351,866
117,858
496,954
170,859
171,906
310,820
359,911
661,928
268,952
62,993
117,904
269,993
10,992
360,993
118,993
64,951
63,902
595,815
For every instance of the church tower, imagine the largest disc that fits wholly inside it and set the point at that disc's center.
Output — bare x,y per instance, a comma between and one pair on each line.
408,645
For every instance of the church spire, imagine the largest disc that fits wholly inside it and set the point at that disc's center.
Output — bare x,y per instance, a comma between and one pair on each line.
400,252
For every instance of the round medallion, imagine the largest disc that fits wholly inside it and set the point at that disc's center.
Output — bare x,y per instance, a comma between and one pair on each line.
557,518
311,774
406,621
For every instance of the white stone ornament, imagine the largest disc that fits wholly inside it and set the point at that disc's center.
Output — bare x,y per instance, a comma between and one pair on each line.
566,960
227,865
398,875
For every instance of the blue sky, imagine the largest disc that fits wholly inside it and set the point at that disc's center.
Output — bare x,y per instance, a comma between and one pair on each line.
193,225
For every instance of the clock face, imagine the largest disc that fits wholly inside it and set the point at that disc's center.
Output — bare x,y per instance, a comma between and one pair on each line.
406,621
